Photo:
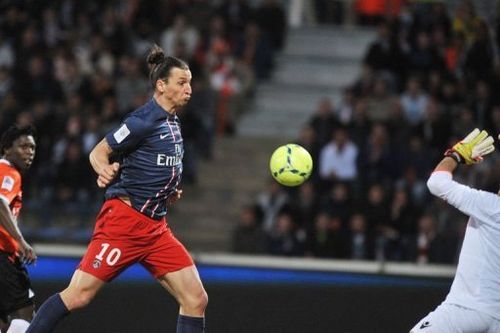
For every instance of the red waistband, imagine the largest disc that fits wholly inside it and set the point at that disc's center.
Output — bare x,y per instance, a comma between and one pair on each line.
131,210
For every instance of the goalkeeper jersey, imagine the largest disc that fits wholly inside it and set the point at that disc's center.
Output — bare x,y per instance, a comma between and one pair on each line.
477,280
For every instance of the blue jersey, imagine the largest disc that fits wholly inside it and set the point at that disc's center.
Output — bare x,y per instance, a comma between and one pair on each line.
150,145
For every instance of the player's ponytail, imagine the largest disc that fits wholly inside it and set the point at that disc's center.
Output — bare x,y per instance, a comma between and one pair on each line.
155,56
160,64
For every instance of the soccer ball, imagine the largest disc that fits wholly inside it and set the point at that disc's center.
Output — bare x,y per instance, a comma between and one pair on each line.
291,165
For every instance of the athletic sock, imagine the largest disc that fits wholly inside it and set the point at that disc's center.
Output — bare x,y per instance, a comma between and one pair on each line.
186,324
49,314
18,326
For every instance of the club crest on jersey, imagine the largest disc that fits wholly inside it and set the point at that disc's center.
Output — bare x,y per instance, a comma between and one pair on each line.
7,183
96,264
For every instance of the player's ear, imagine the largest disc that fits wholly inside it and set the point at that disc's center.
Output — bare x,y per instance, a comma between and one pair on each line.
160,85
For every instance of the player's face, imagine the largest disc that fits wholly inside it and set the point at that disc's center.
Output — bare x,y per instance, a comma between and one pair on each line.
178,87
22,152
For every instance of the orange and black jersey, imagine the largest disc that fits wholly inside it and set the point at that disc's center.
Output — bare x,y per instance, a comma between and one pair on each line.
10,192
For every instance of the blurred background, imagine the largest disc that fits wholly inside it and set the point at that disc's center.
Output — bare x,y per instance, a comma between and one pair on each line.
376,90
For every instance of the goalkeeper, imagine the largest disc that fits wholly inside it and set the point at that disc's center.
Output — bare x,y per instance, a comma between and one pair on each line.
473,303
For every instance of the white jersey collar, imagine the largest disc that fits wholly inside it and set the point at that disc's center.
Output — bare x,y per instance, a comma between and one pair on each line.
4,161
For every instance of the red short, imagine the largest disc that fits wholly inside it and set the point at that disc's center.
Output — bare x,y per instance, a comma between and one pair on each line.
123,236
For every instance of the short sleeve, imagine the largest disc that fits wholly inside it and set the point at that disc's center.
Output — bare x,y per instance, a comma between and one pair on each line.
128,134
10,184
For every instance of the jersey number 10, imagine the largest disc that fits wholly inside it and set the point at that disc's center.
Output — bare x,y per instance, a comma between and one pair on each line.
112,256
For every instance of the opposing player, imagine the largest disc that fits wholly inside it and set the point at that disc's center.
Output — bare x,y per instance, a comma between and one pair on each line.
131,226
473,303
17,147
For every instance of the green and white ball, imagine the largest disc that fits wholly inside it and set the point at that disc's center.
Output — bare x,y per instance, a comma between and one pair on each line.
291,165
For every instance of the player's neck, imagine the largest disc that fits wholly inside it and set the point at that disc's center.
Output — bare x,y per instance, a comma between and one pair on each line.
165,105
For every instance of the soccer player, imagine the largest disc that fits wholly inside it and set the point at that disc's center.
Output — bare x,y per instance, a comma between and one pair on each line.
473,303
131,226
17,147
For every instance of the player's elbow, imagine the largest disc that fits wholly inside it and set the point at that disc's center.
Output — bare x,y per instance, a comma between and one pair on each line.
436,185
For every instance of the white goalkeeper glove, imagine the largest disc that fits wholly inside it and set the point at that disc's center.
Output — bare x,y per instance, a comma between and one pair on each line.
472,148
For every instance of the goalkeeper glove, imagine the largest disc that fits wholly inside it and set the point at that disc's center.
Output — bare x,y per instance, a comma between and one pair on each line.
472,148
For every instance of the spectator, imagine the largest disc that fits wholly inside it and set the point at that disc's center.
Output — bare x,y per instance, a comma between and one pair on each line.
255,50
430,246
337,161
414,101
379,103
271,202
323,121
345,109
271,18
248,237
131,84
377,161
325,239
480,56
384,53
180,31
359,245
285,239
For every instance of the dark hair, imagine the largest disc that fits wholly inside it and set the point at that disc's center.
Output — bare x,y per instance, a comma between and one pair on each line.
160,64
13,133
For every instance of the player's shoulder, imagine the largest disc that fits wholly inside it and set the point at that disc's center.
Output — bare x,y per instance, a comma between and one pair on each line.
144,118
9,176
149,113
7,169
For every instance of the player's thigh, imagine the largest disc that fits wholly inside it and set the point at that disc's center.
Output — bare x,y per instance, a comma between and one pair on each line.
81,290
15,286
449,318
118,242
166,254
184,284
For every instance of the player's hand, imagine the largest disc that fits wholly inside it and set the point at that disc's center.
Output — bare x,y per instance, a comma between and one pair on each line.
107,174
26,253
472,148
174,196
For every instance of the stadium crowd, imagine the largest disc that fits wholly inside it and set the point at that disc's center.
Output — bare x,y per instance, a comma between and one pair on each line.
75,68
426,81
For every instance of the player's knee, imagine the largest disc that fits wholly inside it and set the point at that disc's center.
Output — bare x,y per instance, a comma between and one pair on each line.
77,298
203,301
197,303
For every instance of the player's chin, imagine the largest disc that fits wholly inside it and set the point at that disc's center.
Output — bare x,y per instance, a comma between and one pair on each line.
26,165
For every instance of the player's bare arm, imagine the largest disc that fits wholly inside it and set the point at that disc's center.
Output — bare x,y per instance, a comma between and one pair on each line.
99,159
26,252
447,164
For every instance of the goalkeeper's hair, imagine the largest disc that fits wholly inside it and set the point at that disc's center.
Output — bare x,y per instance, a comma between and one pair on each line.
161,64
13,133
